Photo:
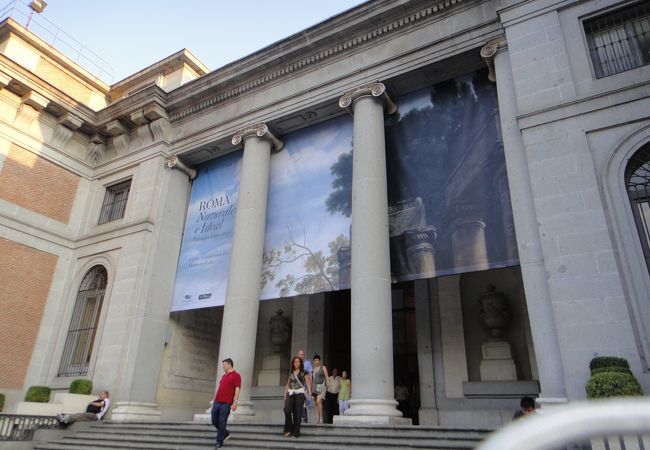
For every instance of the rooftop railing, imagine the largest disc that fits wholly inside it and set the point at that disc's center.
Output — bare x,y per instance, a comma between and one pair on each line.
21,12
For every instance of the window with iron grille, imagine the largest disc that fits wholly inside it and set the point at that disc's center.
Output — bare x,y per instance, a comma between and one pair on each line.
115,202
620,40
637,183
83,325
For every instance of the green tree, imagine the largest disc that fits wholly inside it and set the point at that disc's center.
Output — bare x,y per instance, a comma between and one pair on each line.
320,272
340,199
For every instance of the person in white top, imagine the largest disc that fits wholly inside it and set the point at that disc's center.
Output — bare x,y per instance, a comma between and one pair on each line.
94,411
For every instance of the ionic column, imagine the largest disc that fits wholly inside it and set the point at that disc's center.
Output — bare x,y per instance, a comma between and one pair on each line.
239,329
371,311
538,295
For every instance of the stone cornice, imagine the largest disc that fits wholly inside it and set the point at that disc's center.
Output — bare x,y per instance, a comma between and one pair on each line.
180,109
19,80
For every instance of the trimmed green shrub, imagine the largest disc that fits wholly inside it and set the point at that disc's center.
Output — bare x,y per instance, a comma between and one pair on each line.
613,384
608,361
39,394
610,369
2,402
81,386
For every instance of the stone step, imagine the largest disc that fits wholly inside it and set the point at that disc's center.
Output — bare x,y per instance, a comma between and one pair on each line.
193,436
275,429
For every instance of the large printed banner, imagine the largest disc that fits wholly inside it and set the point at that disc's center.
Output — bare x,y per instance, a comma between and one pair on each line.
449,204
302,236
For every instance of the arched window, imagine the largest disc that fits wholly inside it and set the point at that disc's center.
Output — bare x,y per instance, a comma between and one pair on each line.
637,183
83,325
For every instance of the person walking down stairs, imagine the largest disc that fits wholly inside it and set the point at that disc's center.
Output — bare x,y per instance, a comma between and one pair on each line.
225,400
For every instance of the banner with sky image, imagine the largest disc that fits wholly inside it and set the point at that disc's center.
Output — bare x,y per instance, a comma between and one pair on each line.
449,203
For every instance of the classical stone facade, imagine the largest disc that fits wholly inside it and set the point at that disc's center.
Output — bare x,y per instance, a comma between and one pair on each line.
98,176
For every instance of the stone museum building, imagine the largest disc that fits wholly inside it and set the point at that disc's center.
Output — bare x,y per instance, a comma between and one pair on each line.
452,196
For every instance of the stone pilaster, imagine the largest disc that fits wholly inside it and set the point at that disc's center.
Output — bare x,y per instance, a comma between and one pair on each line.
238,332
372,344
148,300
538,296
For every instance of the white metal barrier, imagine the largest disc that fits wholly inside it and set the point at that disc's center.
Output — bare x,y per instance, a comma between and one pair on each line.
594,422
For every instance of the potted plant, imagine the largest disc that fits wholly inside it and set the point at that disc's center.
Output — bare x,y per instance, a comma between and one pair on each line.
611,377
39,394
2,402
81,386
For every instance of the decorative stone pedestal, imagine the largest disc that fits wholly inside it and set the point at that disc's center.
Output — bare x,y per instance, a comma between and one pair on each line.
271,373
497,363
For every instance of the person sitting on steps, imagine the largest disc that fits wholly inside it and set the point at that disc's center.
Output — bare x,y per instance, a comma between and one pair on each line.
94,411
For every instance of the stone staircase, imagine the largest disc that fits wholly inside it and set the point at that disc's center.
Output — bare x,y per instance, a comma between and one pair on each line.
195,436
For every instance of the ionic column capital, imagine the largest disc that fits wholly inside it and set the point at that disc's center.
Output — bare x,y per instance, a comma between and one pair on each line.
260,130
372,89
489,50
173,162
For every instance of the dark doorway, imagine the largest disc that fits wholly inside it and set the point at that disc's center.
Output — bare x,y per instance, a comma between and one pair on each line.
405,351
337,310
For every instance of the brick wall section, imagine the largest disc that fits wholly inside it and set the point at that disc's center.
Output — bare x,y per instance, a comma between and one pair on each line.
53,74
34,183
25,279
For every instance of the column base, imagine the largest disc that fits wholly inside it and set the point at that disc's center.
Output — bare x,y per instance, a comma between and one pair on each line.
244,414
429,416
136,411
372,412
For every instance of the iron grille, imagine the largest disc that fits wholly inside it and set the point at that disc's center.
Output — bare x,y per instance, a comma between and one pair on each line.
83,325
620,40
115,202
637,183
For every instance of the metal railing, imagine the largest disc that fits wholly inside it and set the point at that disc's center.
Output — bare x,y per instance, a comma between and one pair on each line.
83,324
115,200
620,40
15,427
22,13
598,424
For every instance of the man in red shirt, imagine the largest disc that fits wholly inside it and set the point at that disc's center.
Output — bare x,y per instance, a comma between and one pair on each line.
225,400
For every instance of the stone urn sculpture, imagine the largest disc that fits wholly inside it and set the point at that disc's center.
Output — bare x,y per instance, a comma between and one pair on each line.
280,330
497,363
495,311
273,373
